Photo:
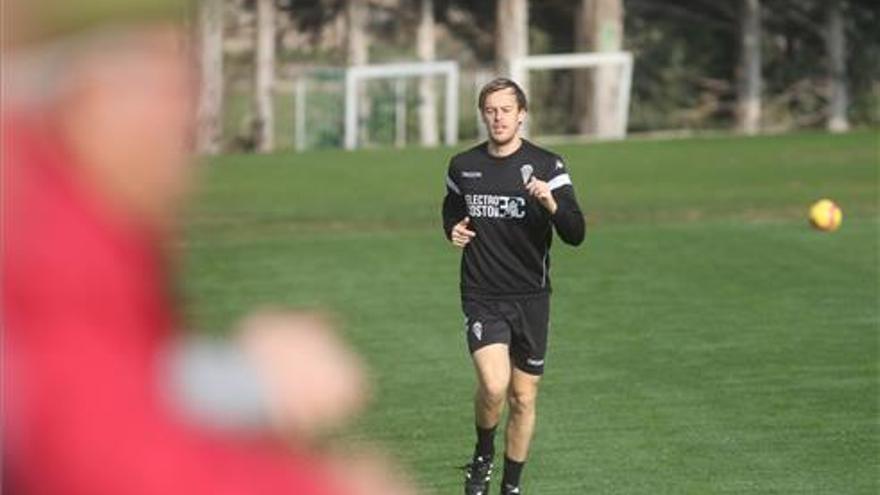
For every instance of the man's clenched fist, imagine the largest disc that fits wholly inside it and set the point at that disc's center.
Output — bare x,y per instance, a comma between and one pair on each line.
461,234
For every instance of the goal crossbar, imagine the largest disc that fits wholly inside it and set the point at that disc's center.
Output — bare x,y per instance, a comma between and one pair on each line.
521,65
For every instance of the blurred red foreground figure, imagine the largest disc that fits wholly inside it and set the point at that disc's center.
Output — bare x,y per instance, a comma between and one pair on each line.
92,175
84,318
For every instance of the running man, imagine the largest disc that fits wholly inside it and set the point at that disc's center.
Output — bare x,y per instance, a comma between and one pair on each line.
503,200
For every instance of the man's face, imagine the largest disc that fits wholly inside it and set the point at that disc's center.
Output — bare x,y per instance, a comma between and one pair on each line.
502,115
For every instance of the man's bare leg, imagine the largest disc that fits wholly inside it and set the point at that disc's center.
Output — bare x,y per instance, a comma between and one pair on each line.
521,423
492,364
520,426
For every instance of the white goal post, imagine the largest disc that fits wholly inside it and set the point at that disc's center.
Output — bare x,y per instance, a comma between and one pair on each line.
521,65
354,75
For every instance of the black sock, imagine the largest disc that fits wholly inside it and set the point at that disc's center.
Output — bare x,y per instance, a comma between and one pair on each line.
512,471
485,447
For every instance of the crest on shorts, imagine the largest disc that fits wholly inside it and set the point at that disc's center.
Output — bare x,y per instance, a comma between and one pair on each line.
477,329
526,171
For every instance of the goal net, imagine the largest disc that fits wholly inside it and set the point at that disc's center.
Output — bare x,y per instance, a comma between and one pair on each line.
357,75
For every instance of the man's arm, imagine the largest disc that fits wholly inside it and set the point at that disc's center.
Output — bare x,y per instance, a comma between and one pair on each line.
557,196
454,208
568,219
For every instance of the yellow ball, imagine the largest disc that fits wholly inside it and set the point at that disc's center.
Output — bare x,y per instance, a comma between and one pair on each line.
825,215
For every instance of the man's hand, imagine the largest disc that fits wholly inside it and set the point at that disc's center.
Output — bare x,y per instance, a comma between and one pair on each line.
461,235
539,190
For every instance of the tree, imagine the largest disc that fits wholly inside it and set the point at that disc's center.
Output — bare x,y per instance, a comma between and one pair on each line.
264,72
835,40
598,28
356,12
511,34
749,73
358,44
425,46
700,64
210,107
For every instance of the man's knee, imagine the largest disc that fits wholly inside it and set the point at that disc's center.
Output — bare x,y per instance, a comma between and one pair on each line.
493,374
492,393
522,399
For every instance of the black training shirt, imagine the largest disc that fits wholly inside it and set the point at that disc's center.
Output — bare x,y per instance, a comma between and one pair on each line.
510,256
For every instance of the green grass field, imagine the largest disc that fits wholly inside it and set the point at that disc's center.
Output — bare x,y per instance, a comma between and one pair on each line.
705,340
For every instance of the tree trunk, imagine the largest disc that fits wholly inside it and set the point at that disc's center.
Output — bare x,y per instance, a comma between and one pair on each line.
358,54
835,42
749,87
264,76
583,78
427,91
210,109
598,28
356,14
511,36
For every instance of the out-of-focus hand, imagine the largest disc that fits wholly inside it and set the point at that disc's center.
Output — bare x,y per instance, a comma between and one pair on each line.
461,235
540,190
312,380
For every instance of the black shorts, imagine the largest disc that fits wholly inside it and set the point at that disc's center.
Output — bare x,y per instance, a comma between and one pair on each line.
521,323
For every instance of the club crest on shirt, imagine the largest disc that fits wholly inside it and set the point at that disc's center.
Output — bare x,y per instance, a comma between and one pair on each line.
477,329
526,170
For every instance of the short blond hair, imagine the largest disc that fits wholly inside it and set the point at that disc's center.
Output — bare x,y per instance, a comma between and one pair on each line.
498,84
